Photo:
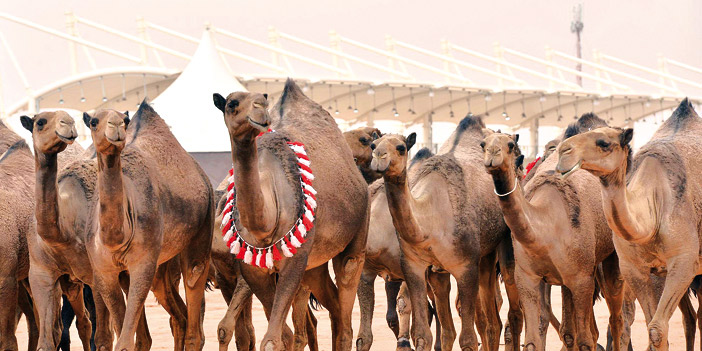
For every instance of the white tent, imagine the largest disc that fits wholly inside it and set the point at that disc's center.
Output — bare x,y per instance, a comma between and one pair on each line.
186,105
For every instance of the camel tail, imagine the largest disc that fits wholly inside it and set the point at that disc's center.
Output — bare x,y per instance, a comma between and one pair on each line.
314,303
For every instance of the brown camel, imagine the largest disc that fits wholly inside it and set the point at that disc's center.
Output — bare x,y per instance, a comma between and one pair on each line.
560,237
237,321
359,140
651,205
141,201
383,259
437,225
269,202
17,218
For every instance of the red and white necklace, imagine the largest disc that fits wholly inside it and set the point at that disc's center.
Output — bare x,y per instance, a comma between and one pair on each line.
265,256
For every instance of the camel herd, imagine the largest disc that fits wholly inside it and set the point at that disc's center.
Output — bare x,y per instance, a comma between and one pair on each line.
135,213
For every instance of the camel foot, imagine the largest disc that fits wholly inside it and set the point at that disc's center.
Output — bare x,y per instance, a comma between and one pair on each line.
363,345
403,344
655,336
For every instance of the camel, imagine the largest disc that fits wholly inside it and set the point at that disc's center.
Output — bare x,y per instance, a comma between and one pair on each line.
269,203
17,218
383,259
463,243
650,204
560,237
141,201
359,141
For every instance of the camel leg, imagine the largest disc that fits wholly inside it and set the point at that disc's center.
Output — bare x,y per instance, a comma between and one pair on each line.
392,289
348,266
552,319
143,337
173,304
195,265
582,291
299,318
323,288
8,321
515,318
416,285
312,343
26,306
613,289
440,284
141,277
237,304
532,294
404,311
74,294
567,331
689,320
366,301
681,271
244,333
487,277
103,331
227,276
67,315
278,336
467,282
47,297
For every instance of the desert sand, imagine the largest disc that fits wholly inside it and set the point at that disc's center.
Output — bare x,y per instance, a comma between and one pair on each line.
383,337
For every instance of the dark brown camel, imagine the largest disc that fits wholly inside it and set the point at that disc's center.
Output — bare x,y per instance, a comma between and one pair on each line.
141,201
437,225
383,259
650,203
560,237
267,182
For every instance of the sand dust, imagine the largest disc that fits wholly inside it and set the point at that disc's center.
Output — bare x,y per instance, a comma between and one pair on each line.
383,337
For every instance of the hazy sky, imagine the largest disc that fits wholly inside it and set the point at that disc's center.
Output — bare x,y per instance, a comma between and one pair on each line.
633,30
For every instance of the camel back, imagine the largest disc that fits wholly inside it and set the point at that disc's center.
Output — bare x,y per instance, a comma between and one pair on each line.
7,137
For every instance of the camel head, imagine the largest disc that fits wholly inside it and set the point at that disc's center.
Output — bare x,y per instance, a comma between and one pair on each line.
390,154
245,114
601,151
550,148
501,154
51,131
359,141
108,128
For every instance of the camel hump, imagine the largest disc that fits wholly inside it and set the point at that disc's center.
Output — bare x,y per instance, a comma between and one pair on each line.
290,96
585,123
17,146
143,118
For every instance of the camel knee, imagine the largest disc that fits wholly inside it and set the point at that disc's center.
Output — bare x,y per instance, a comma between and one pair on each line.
350,267
196,272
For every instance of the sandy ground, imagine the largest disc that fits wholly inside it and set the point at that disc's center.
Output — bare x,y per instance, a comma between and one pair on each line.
383,337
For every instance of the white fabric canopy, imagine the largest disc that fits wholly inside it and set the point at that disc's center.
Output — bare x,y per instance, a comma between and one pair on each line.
186,105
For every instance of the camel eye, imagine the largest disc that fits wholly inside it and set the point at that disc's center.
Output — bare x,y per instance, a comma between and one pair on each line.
602,144
482,145
233,104
401,149
94,122
364,141
510,145
372,146
41,122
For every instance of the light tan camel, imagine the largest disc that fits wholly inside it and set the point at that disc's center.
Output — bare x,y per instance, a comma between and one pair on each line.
560,236
267,182
383,259
651,204
439,223
141,201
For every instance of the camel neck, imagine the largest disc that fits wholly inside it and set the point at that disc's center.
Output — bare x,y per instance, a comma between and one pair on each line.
630,221
257,216
46,196
402,206
111,200
515,207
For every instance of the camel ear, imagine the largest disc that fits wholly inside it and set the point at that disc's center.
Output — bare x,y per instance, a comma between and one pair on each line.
27,123
86,119
626,136
519,161
219,101
515,137
411,139
265,96
126,113
126,121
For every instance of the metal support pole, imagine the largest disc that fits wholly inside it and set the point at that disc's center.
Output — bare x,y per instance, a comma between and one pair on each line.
428,137
534,136
71,29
